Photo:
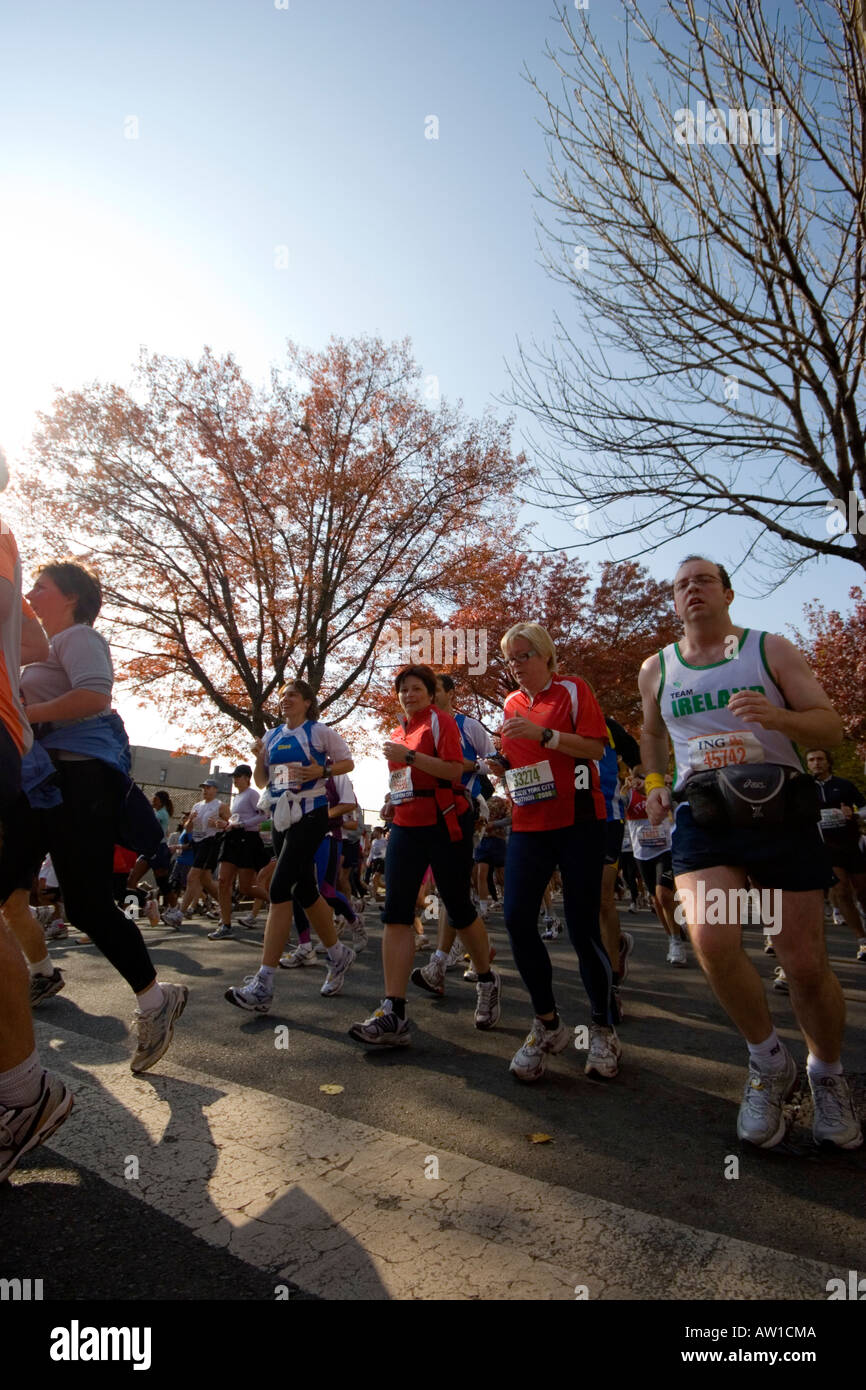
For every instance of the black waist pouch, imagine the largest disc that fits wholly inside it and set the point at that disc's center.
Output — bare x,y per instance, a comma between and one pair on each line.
751,794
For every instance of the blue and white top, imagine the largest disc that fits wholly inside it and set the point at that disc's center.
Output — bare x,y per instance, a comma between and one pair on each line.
310,742
476,743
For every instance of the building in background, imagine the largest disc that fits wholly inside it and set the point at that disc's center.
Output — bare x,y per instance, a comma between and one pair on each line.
179,774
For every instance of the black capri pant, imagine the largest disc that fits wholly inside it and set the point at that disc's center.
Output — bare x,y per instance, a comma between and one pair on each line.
414,848
295,874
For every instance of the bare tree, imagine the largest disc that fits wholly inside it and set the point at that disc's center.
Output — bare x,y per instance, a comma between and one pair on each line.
709,192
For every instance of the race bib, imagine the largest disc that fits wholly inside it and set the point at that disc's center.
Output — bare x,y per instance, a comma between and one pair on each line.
832,818
710,751
532,783
401,785
652,836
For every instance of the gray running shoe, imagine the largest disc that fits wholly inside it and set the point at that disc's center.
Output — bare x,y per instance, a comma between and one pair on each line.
337,970
432,976
359,936
529,1062
780,982
223,930
56,931
488,1005
249,921
155,1029
835,1121
761,1120
22,1128
382,1029
43,986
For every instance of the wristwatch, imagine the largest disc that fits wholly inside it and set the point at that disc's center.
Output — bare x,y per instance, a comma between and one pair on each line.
410,756
546,736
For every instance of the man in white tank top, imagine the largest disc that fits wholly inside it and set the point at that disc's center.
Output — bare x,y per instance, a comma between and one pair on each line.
730,697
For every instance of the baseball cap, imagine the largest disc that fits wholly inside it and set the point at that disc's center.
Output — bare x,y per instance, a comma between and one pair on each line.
242,770
210,782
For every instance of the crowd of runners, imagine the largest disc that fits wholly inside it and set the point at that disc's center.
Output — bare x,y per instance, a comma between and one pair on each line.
554,806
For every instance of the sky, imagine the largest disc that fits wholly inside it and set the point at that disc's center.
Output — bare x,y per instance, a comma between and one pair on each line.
238,173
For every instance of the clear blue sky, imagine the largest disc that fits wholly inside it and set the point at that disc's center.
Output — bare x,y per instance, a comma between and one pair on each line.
303,128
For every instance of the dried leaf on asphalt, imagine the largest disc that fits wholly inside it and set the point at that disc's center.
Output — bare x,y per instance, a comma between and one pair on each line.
331,1089
540,1138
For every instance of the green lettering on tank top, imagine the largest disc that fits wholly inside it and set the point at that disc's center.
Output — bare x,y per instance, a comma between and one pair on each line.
722,696
697,704
707,701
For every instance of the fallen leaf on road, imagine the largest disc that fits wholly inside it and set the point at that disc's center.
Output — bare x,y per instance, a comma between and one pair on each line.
331,1089
540,1138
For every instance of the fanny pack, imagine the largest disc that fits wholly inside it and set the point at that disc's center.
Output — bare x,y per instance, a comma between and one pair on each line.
751,794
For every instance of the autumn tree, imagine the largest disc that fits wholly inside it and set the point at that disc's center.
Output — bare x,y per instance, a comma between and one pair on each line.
247,535
835,648
705,215
603,627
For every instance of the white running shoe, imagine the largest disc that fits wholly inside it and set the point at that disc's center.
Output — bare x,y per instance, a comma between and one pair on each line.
359,936
769,948
382,1029
780,981
626,946
455,955
676,952
249,921
835,1121
337,970
604,1052
256,994
529,1062
761,1120
56,931
488,1005
431,977
302,955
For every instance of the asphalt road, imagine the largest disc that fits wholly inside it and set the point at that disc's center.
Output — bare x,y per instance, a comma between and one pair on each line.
658,1139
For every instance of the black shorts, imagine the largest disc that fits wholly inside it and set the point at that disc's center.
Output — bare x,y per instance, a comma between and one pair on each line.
412,849
376,866
657,872
23,848
207,853
351,853
491,850
614,831
848,857
792,858
244,849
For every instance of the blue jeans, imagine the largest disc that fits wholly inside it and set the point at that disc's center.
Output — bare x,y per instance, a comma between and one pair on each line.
531,858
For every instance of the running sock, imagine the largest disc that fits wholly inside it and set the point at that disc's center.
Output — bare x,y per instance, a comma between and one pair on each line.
151,999
334,952
816,1068
398,1005
483,905
485,977
440,955
42,967
769,1055
266,973
21,1085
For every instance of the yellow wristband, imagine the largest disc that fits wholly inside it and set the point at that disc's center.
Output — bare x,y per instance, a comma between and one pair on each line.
652,781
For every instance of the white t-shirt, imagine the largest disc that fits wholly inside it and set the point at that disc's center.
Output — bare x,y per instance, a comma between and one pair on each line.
47,872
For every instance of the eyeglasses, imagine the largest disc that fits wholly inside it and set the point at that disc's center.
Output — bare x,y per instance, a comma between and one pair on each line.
700,579
519,658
